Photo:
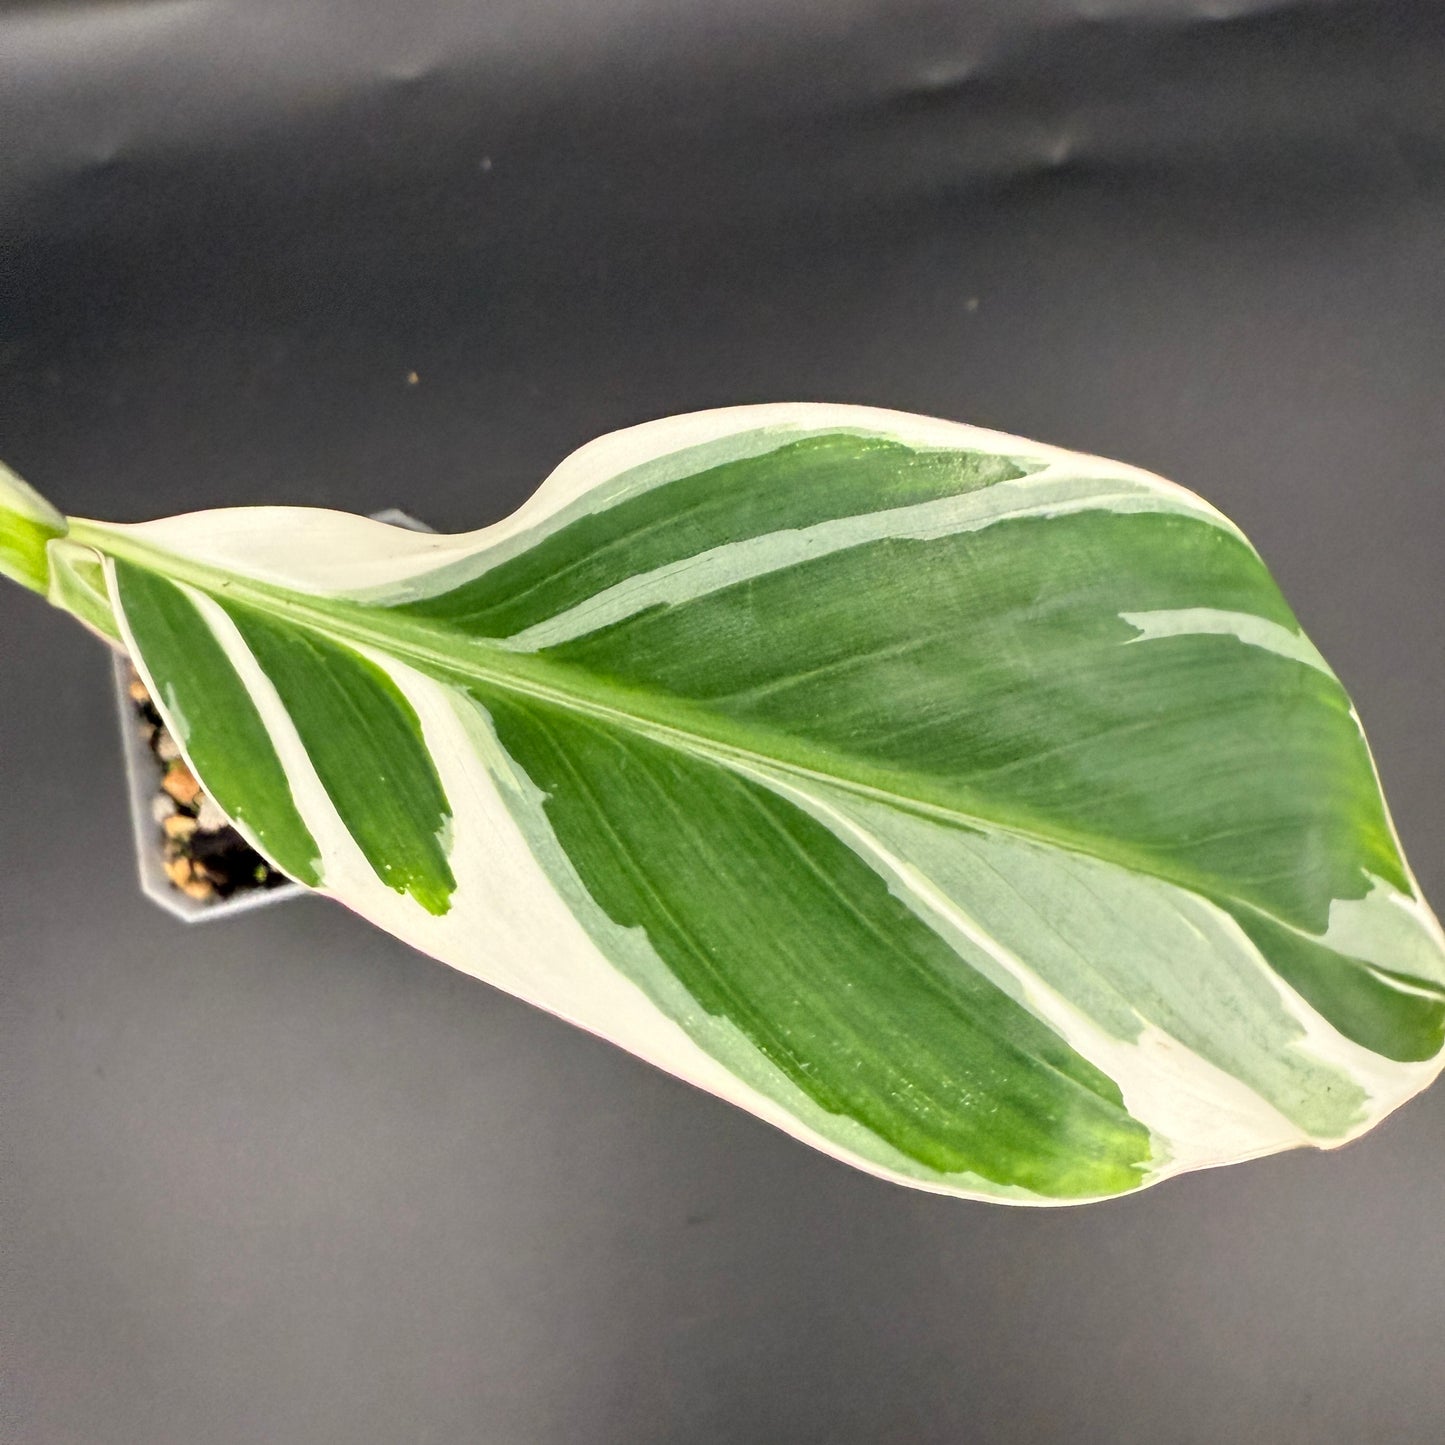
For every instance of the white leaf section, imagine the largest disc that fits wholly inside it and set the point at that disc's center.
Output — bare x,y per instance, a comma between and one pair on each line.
1053,493
1214,622
1140,977
1196,1112
332,553
1392,930
306,549
510,926
1163,944
1347,918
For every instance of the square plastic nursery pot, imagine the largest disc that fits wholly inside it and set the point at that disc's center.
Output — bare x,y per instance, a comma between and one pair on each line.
189,860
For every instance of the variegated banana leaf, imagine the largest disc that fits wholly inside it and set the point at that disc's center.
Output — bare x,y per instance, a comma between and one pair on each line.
973,810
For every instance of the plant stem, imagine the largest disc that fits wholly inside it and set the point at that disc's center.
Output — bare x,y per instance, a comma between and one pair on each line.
28,524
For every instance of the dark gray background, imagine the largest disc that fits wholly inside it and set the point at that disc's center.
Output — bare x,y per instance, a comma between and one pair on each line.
281,1180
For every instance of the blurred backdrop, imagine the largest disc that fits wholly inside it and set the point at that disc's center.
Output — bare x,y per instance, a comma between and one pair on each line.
279,1179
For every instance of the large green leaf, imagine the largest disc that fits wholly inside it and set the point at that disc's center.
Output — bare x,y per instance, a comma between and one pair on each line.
974,810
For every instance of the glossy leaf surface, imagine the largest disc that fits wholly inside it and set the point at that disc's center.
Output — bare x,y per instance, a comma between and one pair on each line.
974,810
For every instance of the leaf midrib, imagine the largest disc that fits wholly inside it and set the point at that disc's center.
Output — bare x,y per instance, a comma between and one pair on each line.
544,680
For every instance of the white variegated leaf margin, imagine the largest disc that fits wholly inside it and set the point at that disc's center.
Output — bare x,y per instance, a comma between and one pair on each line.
521,919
